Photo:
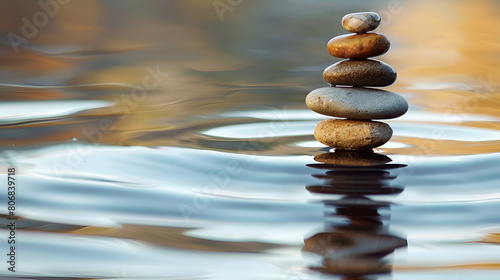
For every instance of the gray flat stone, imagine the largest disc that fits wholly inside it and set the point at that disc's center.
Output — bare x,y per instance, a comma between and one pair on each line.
356,103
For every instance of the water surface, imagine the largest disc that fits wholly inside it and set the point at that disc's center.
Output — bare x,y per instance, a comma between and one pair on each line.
160,140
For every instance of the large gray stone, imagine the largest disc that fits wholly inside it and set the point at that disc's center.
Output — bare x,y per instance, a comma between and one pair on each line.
356,103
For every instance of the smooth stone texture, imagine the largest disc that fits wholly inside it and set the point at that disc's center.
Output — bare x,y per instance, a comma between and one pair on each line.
358,46
352,134
361,22
369,73
356,103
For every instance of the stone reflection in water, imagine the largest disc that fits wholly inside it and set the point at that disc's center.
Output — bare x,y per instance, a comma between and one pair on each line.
359,246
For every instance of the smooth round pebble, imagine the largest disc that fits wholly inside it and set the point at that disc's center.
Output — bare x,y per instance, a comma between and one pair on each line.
352,134
358,46
356,103
361,22
369,73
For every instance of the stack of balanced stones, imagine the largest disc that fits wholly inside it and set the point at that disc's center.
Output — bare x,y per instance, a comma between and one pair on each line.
350,95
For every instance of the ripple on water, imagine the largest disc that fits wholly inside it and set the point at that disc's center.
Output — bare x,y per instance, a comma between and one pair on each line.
262,130
265,201
25,111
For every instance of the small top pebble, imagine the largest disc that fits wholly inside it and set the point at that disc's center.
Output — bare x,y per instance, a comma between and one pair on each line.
361,22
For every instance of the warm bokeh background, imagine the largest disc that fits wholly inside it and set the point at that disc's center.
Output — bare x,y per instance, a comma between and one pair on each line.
262,53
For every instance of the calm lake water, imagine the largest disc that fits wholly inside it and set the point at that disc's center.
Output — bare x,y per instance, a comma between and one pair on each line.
170,140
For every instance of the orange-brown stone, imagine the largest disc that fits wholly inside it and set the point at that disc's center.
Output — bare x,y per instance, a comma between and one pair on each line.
358,46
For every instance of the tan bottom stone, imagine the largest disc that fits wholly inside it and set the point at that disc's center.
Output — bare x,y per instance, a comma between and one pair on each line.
352,134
